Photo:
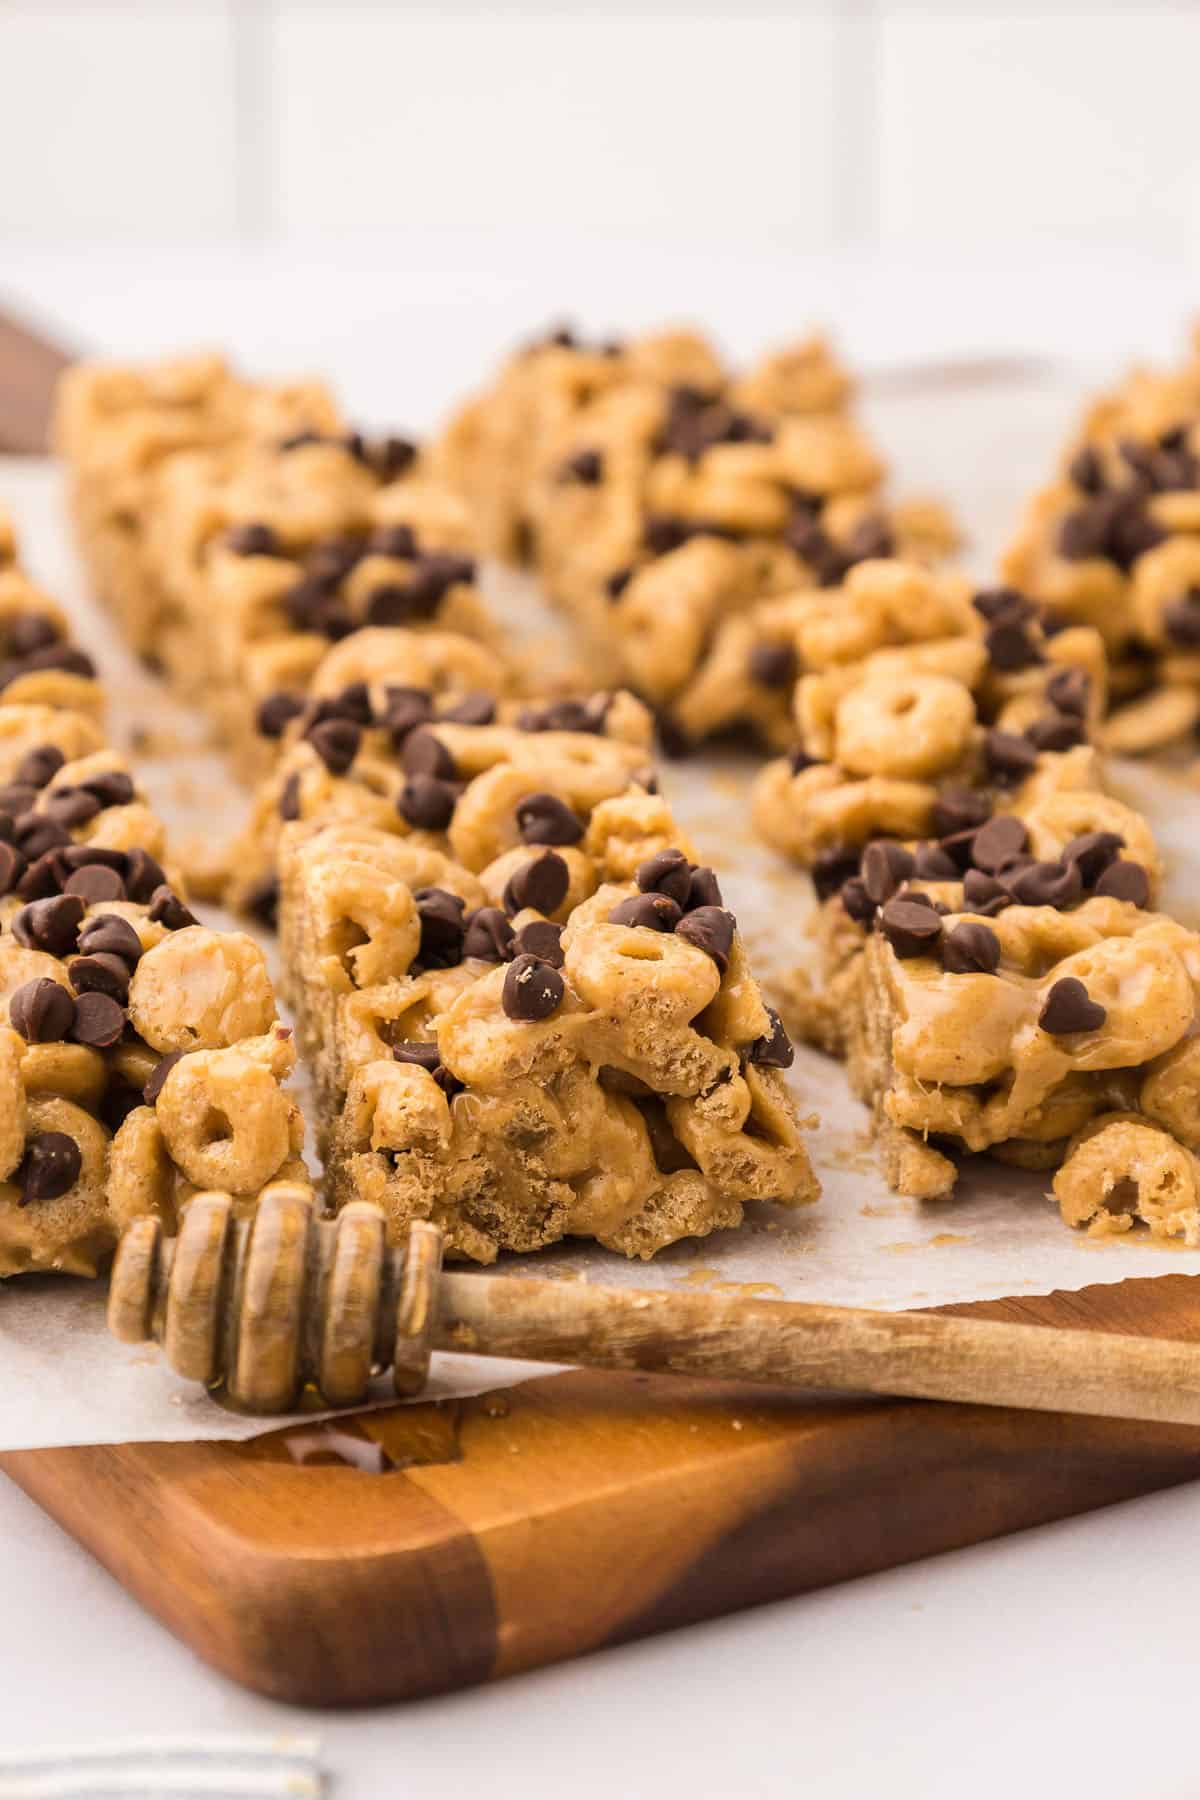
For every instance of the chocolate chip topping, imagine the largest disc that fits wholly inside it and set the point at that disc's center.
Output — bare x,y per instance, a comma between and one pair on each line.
774,665
1125,880
1069,1007
289,798
857,902
67,807
1003,603
336,742
532,989
30,631
1087,470
586,467
711,929
472,709
397,541
703,890
425,1056
39,766
110,935
1057,884
984,894
143,873
1009,758
95,884
166,908
656,911
541,938
425,754
442,927
932,863
541,884
911,926
49,1168
12,867
262,901
971,949
42,1011
587,716
405,708
103,973
1010,644
1093,851
110,787
959,809
998,842
832,868
159,1073
1181,620
99,1020
798,759
51,924
427,803
775,1050
253,539
1113,525
1068,691
1056,731
488,936
616,583
886,865
666,872
545,819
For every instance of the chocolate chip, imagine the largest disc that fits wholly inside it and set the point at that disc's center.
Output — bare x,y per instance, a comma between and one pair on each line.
488,936
1069,1007
42,1011
774,665
51,924
1125,880
159,1073
425,754
545,819
994,604
1181,620
353,703
971,949
17,798
427,803
911,927
586,467
775,1050
95,884
984,894
396,541
425,1056
253,539
49,1168
143,874
1057,884
532,989
998,842
799,760
886,865
32,631
39,766
1056,731
1009,758
661,533
1093,851
262,901
1086,470
166,908
617,582
329,562
12,867
857,902
37,834
1010,646
541,938
541,884
959,809
99,1020
67,808
832,867
110,787
711,929
108,934
404,709
568,715
276,713
932,863
336,742
1068,692
432,578
666,872
658,912
703,889
472,709
104,973
442,927
289,798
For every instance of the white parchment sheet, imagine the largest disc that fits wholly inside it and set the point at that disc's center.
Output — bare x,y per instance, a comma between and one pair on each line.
65,1381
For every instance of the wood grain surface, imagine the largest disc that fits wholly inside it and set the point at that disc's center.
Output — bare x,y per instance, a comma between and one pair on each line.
30,365
577,1511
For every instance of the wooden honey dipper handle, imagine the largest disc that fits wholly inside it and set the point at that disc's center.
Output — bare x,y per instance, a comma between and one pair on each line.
284,1301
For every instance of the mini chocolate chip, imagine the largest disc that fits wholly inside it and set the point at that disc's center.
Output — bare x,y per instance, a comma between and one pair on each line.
103,973
353,702
959,809
111,787
656,911
404,709
49,1168
711,929
336,742
42,1011
442,927
932,863
252,539
832,867
911,928
798,759
427,803
17,798
856,900
1093,851
774,665
1010,645
541,884
425,754
99,1020
159,1073
42,878
12,867
998,842
1087,470
94,884
568,715
545,819
1056,731
532,989
277,711
1057,884
289,797
425,1056
37,834
117,1102
775,1050
886,865
971,949
585,467
108,934
51,924
993,604
1009,758
142,875
703,890
166,908
1069,1007
472,709
488,936
31,631
396,541
616,583
1125,880
39,766
262,901
1181,620
1068,691
666,872
67,807
541,938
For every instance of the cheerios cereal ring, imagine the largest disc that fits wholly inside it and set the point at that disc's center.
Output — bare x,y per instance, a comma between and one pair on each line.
908,725
225,1120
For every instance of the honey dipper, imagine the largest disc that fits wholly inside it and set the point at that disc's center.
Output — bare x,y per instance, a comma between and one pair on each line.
283,1301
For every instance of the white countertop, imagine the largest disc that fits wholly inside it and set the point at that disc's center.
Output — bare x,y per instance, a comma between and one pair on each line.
1056,1661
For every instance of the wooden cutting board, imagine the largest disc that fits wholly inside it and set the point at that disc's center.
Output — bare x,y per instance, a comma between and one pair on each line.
579,1511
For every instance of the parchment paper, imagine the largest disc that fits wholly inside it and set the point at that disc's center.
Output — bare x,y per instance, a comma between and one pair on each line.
66,1381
